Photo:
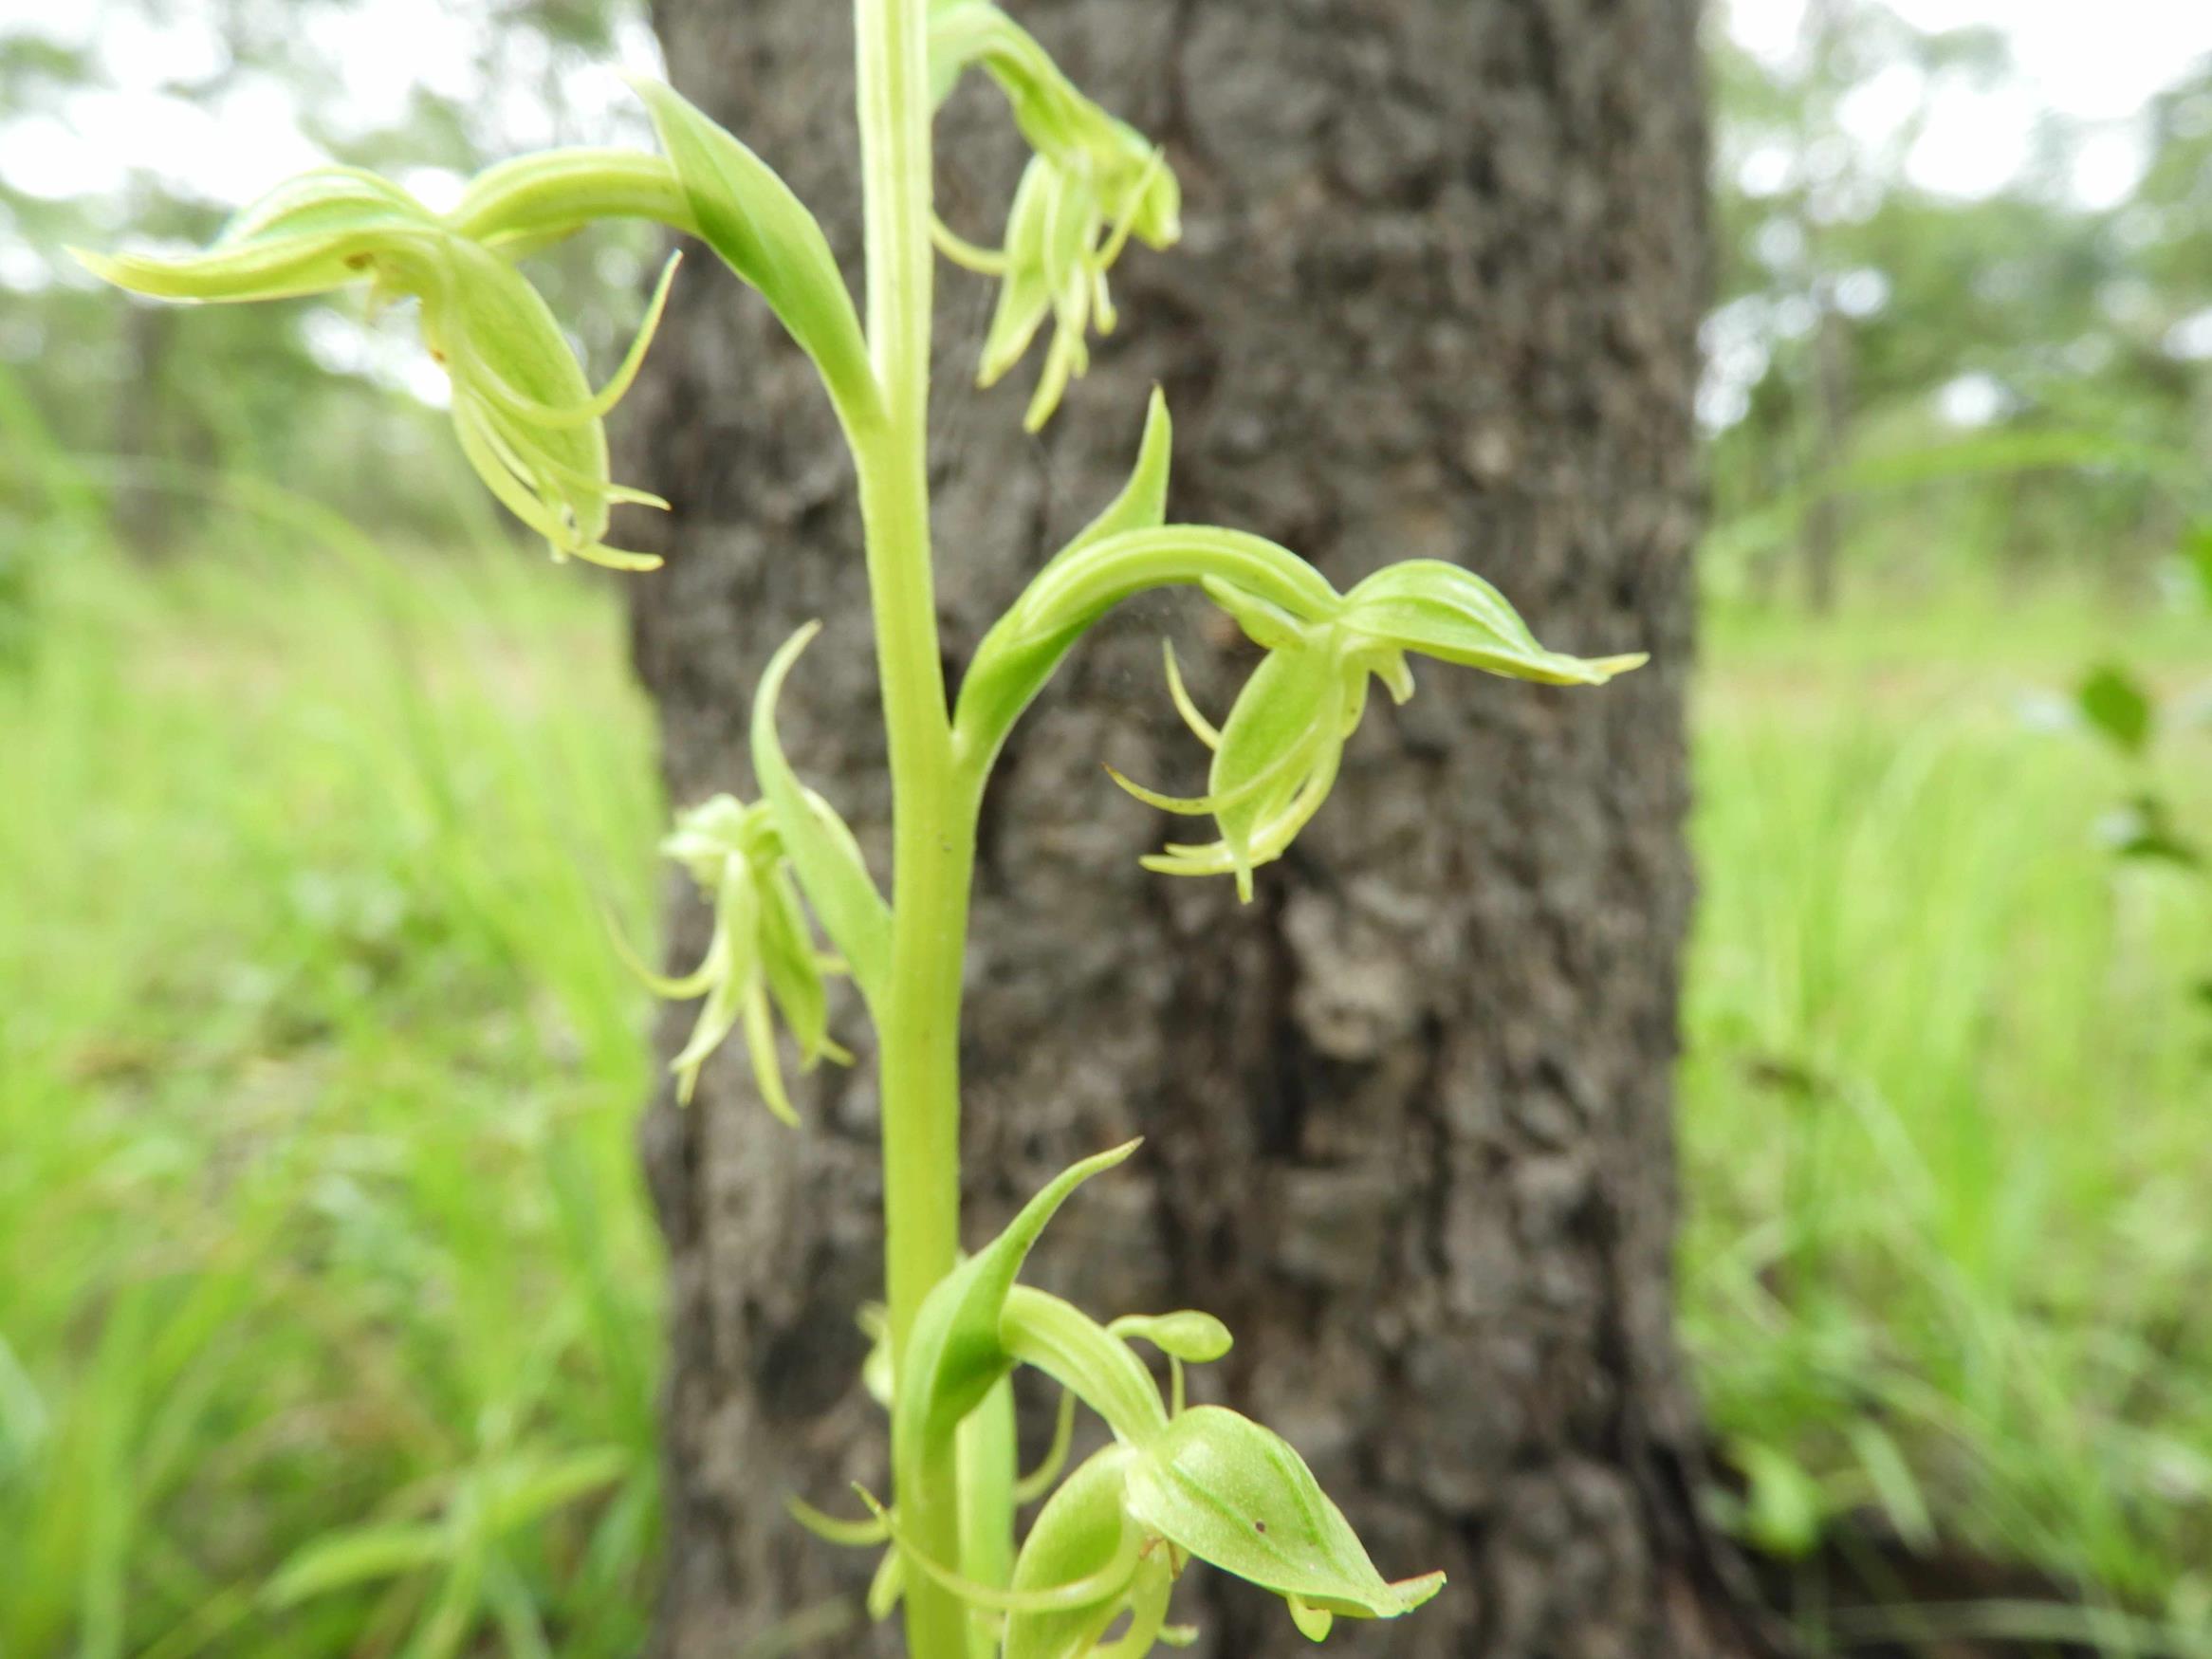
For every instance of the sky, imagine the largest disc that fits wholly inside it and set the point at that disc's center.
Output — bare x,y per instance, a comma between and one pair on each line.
2096,62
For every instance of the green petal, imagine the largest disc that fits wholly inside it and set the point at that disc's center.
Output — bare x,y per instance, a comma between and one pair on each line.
1081,1536
1188,1334
1026,295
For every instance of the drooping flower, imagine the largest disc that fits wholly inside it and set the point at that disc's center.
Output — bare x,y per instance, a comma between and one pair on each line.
526,417
1093,182
1066,228
1276,757
762,954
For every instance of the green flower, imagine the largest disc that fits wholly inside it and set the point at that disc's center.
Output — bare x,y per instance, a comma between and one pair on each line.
526,419
1176,1486
1093,183
761,953
1276,757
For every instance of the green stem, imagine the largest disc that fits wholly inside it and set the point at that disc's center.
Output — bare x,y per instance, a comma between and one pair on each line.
933,817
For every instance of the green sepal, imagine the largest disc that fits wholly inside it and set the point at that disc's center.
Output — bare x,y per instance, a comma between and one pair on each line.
793,968
953,1353
1236,1495
1265,623
311,234
1444,611
764,233
736,959
1026,296
887,1585
1282,723
1313,1622
504,348
823,851
875,1373
1079,1533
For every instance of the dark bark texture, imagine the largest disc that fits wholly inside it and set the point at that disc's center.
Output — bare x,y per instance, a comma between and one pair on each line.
1409,1113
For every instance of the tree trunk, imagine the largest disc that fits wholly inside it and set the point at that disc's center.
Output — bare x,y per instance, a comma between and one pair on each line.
1409,1114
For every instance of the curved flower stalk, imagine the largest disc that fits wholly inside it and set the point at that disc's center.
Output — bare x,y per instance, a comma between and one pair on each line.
762,951
526,419
1177,1484
1093,183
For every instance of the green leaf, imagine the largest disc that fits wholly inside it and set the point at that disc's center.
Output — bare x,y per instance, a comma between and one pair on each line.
953,1354
358,1556
1444,611
1784,1510
1892,1477
764,233
2197,555
531,1491
1237,1495
2117,707
823,851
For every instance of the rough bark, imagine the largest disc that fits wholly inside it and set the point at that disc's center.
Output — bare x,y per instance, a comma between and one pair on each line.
1409,1114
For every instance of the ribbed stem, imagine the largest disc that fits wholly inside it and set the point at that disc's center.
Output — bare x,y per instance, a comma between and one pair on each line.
933,829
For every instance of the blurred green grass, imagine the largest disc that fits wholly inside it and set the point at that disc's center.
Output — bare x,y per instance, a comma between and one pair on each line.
319,1218
1946,1097
328,1294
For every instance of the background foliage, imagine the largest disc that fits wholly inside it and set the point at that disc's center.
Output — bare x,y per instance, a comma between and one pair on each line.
327,1291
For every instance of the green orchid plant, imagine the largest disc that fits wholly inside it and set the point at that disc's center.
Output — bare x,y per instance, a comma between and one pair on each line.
794,903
